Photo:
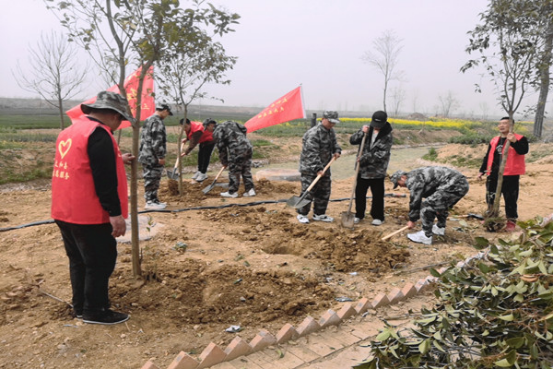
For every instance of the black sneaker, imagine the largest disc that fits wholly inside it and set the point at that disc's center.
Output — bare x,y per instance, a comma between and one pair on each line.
106,317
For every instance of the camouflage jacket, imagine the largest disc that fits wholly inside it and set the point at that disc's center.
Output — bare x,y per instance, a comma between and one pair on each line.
230,139
318,146
423,182
374,159
153,141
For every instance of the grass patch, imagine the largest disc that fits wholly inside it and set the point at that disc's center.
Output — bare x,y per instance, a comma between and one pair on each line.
431,155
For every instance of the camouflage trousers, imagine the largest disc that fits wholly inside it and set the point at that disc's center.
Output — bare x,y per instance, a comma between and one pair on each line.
152,176
240,166
438,204
320,193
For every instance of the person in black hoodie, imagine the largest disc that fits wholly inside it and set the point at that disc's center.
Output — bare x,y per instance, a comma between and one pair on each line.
373,162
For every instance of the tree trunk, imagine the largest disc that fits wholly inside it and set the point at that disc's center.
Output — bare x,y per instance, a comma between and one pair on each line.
60,110
546,57
135,247
385,97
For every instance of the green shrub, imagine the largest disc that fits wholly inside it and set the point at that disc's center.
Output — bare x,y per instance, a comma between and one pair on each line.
494,312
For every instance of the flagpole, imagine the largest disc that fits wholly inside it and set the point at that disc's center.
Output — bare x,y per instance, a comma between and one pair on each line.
302,95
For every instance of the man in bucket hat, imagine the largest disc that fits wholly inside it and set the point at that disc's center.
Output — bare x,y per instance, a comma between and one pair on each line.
441,188
152,151
319,146
89,203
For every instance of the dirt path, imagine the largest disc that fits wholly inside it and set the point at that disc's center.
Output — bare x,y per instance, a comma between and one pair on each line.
206,270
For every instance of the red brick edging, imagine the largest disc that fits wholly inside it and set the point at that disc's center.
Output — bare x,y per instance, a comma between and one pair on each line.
213,354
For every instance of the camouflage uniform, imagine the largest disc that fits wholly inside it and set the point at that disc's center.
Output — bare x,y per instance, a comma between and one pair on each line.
374,161
441,187
319,144
153,146
235,152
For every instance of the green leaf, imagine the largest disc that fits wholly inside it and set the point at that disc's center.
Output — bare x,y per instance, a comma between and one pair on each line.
515,342
508,318
427,320
526,253
481,243
542,268
438,346
383,335
483,268
434,273
503,363
424,346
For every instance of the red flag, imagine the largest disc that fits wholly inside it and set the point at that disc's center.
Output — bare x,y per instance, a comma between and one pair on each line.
286,108
131,86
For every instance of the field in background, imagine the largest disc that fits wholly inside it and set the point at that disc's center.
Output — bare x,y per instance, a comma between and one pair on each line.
27,136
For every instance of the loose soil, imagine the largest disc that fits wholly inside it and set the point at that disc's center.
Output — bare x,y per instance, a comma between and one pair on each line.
211,265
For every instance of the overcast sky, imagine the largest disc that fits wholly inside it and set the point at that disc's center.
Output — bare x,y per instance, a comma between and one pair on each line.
316,43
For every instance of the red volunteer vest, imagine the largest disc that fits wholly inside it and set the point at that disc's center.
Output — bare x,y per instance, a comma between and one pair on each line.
515,165
74,198
207,136
195,127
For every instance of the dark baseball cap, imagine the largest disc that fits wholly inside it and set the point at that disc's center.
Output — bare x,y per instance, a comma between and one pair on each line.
378,119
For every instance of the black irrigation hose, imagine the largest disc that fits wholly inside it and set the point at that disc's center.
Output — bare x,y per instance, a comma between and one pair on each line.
195,208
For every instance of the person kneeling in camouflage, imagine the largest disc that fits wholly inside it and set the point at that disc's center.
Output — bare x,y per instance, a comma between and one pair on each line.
441,187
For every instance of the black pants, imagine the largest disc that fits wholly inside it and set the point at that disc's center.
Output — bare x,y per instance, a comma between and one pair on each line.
510,192
92,252
204,156
377,186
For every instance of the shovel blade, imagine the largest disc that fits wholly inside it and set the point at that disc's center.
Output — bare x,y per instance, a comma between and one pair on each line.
172,174
298,202
209,188
347,219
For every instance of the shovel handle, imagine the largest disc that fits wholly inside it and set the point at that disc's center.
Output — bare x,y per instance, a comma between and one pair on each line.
320,175
360,151
393,233
219,173
178,157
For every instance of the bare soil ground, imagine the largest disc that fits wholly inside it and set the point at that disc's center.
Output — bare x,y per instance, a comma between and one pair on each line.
207,269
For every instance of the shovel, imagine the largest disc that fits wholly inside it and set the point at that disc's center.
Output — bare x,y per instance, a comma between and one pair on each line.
174,174
347,218
300,202
212,185
393,233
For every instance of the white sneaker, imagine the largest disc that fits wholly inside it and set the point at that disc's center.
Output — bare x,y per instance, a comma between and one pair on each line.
420,237
196,174
302,219
438,230
323,218
357,220
201,177
231,195
151,205
377,222
250,193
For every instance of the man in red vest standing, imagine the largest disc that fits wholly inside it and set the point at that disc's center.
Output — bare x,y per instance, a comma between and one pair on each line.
515,166
89,203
